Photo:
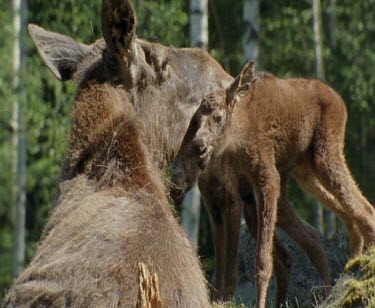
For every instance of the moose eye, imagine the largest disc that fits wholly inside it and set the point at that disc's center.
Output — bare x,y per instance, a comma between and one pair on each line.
218,119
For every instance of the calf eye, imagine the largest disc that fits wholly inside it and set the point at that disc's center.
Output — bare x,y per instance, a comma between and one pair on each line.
218,119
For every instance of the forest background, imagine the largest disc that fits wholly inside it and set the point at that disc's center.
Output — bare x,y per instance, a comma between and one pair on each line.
286,48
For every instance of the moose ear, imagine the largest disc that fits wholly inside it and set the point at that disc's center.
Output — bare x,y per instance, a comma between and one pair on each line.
61,53
119,31
242,83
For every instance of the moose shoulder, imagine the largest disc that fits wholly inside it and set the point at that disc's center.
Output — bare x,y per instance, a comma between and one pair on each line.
112,220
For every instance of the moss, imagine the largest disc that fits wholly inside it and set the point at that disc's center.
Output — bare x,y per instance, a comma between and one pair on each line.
359,288
230,304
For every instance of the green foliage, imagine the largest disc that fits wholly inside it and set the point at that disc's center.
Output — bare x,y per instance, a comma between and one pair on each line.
225,34
356,287
163,21
6,100
286,49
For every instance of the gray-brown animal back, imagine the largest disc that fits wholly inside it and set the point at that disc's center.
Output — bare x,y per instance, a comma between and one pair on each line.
89,226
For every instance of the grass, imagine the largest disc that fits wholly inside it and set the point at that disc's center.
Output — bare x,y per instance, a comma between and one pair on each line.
232,304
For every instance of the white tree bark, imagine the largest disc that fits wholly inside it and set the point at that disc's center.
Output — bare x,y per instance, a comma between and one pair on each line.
332,23
19,141
199,23
319,69
317,15
328,217
250,41
191,206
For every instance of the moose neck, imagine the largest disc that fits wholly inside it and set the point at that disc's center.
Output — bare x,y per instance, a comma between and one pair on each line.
105,144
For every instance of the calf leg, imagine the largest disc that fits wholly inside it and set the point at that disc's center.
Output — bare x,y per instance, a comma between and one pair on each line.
267,189
213,197
336,178
333,173
306,178
304,236
282,257
232,223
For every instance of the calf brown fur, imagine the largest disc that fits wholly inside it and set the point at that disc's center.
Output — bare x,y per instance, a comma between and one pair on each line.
271,128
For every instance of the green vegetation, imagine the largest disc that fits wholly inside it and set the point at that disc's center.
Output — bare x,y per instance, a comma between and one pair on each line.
286,49
361,288
356,288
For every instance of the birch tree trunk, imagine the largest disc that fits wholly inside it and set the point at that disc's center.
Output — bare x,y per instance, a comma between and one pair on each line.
321,216
191,208
332,23
199,23
317,16
250,40
199,38
19,141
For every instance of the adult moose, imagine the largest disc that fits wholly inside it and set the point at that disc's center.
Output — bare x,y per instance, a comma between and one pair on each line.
165,86
113,221
271,128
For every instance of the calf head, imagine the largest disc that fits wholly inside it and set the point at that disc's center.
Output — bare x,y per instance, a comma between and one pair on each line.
205,132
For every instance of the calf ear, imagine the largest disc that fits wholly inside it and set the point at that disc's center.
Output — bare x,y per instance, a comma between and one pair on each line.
61,53
247,76
241,84
119,31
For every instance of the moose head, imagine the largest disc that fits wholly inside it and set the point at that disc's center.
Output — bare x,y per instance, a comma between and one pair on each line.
165,85
206,133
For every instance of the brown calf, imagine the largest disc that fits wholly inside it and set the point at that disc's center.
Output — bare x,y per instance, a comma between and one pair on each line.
271,128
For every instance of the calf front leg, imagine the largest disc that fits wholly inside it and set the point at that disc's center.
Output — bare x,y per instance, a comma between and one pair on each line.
232,225
282,257
214,199
267,189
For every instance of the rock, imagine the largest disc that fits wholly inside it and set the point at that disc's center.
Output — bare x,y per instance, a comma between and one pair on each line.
305,288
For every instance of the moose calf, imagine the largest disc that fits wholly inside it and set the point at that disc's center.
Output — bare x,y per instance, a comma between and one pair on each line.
272,128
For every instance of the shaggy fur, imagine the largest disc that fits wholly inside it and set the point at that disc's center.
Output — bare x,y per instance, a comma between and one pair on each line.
270,128
112,215
227,189
165,86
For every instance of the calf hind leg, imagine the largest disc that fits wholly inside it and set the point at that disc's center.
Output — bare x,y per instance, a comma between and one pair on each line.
331,169
304,236
306,178
336,178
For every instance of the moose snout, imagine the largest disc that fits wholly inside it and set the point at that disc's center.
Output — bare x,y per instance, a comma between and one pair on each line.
177,195
200,148
202,152
177,191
